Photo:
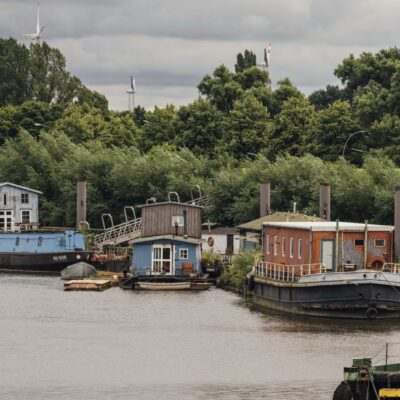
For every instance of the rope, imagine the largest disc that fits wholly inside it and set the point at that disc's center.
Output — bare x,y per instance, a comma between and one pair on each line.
371,378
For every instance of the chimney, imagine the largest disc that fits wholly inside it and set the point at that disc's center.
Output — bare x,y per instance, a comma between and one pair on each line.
325,201
397,224
265,199
80,202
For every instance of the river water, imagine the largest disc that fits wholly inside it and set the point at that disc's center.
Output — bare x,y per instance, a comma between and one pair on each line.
144,345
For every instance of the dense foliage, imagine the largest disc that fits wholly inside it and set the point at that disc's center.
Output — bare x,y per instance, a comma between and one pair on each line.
54,131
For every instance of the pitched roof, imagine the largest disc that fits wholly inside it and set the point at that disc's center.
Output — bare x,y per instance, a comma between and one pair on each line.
256,225
20,187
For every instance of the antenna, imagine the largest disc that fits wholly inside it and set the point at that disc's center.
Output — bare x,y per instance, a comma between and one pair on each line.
131,95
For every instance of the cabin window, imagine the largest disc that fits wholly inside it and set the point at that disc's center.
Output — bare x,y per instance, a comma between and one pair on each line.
267,244
299,248
283,246
275,245
359,242
17,241
177,220
5,199
183,254
24,198
379,243
39,240
291,247
25,217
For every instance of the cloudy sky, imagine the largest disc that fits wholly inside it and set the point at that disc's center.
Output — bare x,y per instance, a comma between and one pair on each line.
169,45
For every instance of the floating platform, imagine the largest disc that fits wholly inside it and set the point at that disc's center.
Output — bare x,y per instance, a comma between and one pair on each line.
88,284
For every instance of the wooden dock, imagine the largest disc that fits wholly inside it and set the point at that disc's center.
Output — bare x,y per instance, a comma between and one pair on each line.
88,284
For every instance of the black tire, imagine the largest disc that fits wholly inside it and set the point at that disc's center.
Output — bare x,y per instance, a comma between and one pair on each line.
343,392
371,313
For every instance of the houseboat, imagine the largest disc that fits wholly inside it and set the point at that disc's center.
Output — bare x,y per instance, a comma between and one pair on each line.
24,246
328,269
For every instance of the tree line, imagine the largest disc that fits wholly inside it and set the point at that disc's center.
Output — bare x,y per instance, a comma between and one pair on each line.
54,131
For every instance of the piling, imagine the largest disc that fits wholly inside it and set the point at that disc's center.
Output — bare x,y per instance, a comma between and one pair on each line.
80,203
397,223
265,199
325,201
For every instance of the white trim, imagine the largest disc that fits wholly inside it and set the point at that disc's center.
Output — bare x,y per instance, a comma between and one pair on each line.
275,245
299,248
380,245
291,248
283,246
268,243
187,253
171,258
329,226
30,215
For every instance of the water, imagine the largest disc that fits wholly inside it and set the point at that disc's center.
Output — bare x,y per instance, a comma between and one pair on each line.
143,345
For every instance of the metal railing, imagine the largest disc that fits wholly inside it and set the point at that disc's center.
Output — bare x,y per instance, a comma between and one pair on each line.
119,233
287,273
391,267
203,201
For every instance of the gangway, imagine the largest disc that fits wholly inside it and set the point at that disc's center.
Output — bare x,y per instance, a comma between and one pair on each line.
198,199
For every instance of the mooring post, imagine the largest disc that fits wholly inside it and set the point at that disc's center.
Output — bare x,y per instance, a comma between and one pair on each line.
325,201
265,199
80,202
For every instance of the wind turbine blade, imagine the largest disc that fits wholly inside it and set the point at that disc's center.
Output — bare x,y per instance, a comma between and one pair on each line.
133,86
132,82
269,53
38,20
265,57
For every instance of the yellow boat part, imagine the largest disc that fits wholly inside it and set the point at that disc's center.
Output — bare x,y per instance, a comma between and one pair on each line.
389,393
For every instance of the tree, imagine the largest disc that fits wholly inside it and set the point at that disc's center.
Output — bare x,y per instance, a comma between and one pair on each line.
245,61
246,127
322,98
14,72
284,92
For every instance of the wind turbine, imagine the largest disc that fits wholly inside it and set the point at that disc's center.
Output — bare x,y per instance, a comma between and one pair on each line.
267,62
131,95
37,35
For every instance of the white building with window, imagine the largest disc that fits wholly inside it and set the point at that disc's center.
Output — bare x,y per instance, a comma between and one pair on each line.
19,207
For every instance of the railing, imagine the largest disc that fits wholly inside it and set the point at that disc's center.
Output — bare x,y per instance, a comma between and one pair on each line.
130,228
203,201
391,267
287,273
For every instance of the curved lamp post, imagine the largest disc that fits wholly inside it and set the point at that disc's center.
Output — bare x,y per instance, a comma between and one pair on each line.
354,133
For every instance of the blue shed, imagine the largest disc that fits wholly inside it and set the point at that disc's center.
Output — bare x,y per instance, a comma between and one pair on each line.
166,254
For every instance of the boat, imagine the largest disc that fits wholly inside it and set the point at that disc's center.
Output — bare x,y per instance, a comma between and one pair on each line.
42,251
314,290
164,285
196,285
364,381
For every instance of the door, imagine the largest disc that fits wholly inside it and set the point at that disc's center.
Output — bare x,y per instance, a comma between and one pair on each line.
162,260
327,252
229,244
6,220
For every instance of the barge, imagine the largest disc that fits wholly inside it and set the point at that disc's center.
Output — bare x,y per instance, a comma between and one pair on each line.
328,269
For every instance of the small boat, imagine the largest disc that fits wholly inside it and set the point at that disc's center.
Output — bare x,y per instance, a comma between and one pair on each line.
200,285
164,285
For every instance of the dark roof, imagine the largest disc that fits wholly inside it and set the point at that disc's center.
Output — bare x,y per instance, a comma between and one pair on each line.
20,187
220,230
256,225
166,237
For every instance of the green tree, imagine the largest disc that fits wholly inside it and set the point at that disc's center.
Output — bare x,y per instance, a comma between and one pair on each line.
244,61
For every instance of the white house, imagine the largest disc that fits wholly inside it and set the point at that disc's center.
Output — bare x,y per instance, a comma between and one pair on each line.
19,207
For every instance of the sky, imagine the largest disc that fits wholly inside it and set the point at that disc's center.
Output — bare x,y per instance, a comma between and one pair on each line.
169,45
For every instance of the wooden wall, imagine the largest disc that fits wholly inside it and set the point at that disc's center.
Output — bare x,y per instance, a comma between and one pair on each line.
157,219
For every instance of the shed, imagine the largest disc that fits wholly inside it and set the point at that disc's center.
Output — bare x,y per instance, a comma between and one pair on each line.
223,240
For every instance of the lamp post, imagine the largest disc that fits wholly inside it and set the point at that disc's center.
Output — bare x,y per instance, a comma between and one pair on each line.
354,133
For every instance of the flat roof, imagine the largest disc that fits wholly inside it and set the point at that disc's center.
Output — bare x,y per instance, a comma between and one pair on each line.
328,226
280,216
166,237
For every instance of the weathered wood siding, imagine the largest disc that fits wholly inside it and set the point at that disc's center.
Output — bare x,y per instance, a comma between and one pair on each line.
157,219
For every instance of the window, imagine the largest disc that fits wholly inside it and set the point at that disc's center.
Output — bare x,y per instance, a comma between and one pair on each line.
24,198
183,254
291,247
39,240
275,245
379,243
161,260
359,242
283,246
25,217
267,244
5,199
299,249
17,241
177,220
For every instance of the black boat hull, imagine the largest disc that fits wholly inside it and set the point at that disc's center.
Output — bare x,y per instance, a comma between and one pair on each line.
41,262
358,300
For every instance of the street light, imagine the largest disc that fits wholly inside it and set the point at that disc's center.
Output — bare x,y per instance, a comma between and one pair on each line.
354,133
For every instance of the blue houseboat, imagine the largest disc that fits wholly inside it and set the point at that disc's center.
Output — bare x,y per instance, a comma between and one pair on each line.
26,247
170,242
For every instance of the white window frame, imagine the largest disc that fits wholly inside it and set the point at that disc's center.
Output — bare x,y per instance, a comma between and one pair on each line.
159,271
27,198
275,245
299,248
380,245
177,220
291,247
284,246
187,254
30,214
268,244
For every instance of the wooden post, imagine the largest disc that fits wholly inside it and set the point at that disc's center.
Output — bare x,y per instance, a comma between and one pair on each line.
265,199
80,202
325,201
